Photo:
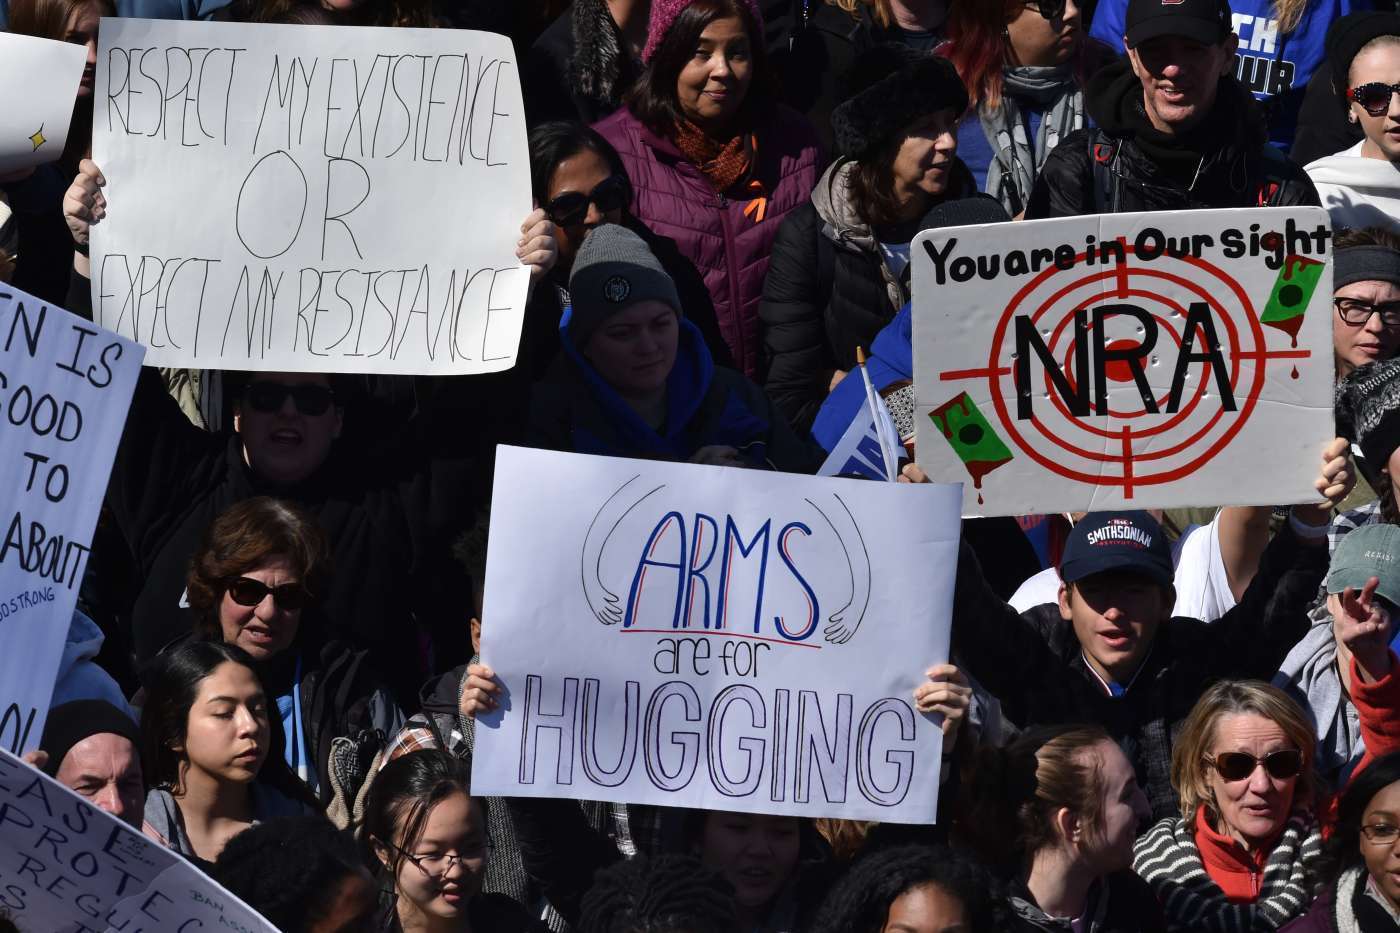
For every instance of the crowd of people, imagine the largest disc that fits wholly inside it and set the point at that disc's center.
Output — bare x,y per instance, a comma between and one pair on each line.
1153,721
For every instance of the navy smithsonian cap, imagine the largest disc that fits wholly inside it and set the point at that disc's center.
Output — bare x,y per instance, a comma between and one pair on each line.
1132,542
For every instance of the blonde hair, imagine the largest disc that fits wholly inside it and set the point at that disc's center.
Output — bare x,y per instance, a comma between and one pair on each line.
1235,697
844,836
1288,13
879,8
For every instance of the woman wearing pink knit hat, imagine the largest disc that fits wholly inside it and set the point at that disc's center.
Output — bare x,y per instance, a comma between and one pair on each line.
715,160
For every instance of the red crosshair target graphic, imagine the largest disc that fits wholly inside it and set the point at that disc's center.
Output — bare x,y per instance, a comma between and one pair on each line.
1128,446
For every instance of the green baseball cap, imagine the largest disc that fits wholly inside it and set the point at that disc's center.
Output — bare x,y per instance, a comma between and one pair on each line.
1369,551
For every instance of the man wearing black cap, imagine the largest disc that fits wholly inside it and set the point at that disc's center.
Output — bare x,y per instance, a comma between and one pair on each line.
92,749
1175,129
1121,660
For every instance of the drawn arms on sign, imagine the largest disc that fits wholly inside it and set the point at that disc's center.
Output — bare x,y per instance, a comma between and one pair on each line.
601,600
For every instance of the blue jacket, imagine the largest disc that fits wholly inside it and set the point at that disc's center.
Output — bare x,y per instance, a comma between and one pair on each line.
1275,67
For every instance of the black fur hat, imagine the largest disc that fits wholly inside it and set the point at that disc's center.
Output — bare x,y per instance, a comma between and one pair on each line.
894,86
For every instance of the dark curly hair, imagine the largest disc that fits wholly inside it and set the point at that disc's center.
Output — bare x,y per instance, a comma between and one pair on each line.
289,870
665,894
860,903
1343,850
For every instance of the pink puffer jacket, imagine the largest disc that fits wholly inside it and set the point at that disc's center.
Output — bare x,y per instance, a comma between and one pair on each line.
728,236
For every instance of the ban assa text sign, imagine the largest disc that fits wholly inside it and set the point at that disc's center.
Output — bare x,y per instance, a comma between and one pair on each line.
1131,360
716,637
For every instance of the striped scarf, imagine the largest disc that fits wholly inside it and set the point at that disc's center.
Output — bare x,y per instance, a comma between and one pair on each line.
1167,859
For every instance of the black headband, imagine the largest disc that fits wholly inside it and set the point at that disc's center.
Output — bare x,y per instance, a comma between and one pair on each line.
1365,264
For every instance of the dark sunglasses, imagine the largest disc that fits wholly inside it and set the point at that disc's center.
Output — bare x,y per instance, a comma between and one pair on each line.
249,592
1374,97
267,397
571,208
1050,9
1356,312
1236,766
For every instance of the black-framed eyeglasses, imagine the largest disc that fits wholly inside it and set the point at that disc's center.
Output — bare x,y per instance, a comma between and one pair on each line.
437,866
1374,96
1050,9
249,592
1356,312
1381,834
571,208
267,397
1236,766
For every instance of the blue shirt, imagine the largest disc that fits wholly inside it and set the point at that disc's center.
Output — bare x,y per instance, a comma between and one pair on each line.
977,153
1269,64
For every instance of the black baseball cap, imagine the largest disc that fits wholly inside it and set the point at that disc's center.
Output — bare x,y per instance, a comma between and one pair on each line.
1206,21
1131,542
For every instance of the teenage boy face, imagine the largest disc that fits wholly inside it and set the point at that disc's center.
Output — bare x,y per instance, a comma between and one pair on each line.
1115,616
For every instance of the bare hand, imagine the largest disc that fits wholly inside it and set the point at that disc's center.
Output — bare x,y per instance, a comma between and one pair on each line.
537,247
1337,479
482,691
38,758
717,455
913,473
1363,625
947,694
836,378
83,202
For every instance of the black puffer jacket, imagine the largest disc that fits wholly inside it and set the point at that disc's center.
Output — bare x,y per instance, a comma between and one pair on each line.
828,291
1226,161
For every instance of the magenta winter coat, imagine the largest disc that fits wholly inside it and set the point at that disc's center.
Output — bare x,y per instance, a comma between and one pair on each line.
728,247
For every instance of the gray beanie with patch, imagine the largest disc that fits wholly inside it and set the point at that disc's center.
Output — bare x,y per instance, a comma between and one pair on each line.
614,269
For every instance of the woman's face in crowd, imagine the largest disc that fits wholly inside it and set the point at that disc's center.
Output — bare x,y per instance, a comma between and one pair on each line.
268,628
1180,78
227,734
286,446
924,160
635,348
1358,344
81,29
1254,809
713,83
756,854
452,853
580,173
1036,40
1380,63
926,909
1383,861
1124,808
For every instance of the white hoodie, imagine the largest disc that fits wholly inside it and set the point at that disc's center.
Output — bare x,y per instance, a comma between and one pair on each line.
1357,191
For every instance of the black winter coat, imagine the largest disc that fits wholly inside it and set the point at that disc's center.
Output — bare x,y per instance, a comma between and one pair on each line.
1225,162
550,78
1034,664
1120,903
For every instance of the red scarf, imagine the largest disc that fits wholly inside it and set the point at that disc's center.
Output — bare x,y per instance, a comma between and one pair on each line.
722,163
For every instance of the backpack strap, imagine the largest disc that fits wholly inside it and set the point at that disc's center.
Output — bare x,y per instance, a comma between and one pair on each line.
1275,172
1103,150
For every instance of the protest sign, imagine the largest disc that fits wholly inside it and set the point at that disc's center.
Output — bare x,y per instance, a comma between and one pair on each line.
68,867
1125,360
65,386
43,76
715,637
310,198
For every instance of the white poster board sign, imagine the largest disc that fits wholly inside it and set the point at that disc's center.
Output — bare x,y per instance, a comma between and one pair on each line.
65,387
311,198
43,76
702,636
68,867
1125,360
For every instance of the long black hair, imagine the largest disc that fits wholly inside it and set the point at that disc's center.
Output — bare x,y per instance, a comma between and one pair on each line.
861,902
553,142
172,682
1343,849
653,99
664,894
402,796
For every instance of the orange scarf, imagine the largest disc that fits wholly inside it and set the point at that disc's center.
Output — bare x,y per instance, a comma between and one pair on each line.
722,163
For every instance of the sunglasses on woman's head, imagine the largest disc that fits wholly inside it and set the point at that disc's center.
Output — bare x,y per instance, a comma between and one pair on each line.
267,397
571,208
249,592
1236,766
1374,97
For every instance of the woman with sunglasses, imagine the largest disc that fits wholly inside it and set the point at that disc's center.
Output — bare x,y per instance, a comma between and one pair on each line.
425,834
256,582
579,179
210,752
1024,63
1359,185
716,162
1244,854
1362,858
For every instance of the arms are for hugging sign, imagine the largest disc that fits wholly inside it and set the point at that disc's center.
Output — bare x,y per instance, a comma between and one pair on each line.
714,637
310,197
1125,360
